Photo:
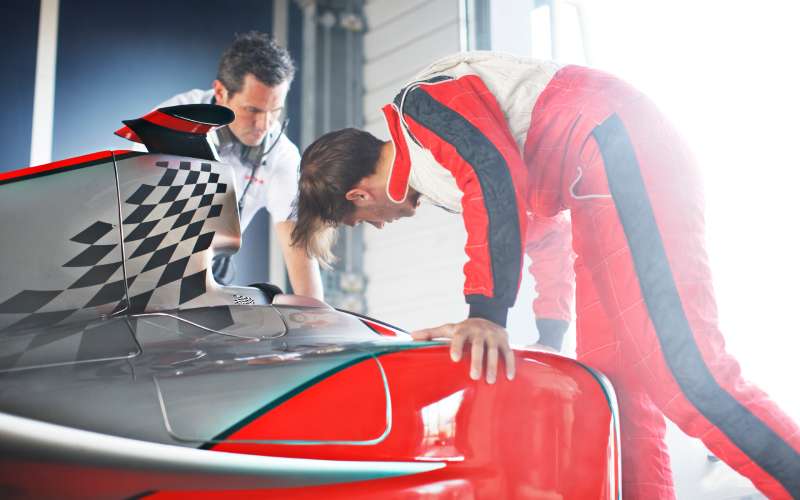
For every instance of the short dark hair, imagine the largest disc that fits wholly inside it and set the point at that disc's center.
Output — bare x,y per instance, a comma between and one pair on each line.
330,167
257,53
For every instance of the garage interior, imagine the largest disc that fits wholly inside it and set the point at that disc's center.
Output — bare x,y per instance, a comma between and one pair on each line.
724,72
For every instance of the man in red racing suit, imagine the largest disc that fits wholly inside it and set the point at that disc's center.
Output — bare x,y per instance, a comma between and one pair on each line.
515,144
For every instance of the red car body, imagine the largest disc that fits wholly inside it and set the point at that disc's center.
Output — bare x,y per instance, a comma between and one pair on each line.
127,372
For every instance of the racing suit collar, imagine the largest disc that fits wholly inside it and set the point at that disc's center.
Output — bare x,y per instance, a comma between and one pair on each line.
400,169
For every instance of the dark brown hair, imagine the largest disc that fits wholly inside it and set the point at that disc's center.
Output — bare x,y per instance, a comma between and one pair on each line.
256,53
330,167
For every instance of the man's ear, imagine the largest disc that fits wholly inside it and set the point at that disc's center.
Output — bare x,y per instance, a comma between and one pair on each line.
220,92
358,196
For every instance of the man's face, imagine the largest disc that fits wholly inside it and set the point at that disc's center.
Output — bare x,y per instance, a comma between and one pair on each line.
381,210
257,107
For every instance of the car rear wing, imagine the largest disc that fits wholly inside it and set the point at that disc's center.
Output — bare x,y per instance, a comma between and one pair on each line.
178,130
120,232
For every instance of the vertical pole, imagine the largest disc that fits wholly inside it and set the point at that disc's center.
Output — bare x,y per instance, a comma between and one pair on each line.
465,30
280,31
327,20
45,84
307,130
349,106
280,22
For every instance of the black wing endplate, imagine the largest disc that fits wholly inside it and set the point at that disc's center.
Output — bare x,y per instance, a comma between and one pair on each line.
178,130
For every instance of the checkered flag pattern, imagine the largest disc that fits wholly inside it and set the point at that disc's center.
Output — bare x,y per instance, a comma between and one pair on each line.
100,284
165,235
165,250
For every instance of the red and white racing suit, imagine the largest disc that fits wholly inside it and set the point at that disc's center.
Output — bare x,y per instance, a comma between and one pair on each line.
513,144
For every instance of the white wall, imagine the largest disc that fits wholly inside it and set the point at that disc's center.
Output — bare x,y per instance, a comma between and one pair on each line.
414,265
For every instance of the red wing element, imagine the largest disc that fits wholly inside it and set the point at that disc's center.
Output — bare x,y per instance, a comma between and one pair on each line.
127,133
178,130
61,165
380,329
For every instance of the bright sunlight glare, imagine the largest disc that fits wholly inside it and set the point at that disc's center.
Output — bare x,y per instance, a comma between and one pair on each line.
726,73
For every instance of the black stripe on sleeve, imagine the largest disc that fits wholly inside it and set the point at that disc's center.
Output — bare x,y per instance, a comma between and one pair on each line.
489,165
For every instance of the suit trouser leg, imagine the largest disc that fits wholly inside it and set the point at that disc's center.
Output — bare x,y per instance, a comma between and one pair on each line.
644,248
645,458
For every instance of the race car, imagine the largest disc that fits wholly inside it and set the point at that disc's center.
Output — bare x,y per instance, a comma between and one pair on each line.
126,371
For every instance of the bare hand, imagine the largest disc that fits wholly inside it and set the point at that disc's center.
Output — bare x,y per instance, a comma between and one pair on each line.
484,336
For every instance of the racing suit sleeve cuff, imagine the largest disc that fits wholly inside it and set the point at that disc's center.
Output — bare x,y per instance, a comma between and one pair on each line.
551,332
494,312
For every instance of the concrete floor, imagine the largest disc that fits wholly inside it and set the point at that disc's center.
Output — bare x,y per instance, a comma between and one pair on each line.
698,478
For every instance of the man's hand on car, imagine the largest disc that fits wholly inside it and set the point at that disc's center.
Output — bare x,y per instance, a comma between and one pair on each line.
483,335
